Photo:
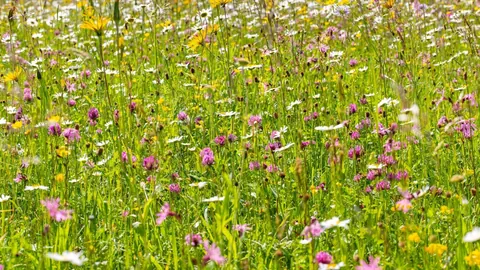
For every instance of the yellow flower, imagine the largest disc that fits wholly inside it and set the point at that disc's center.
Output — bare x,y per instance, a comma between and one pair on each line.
96,24
198,38
17,125
60,177
54,119
313,189
62,152
445,210
216,3
13,76
414,238
436,249
473,258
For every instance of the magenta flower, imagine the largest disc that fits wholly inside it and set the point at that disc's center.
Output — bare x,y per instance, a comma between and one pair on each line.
323,257
174,188
150,163
207,156
467,128
220,140
182,116
241,229
164,213
373,265
313,230
213,254
93,114
71,102
124,157
71,134
403,205
27,94
254,165
255,120
193,240
55,129
55,213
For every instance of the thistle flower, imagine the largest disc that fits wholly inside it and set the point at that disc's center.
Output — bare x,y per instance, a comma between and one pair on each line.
323,257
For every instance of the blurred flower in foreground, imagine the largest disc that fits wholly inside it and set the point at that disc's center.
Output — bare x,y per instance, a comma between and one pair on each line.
75,258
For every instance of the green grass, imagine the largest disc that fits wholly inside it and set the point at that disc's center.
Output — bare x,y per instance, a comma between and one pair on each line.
264,58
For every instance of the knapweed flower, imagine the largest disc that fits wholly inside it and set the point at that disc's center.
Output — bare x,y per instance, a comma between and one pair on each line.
473,258
372,265
55,213
241,229
382,185
213,254
71,134
436,249
193,240
207,156
54,129
93,115
96,24
150,163
255,120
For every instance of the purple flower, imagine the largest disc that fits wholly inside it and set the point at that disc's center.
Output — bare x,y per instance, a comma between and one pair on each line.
71,134
255,120
232,138
254,165
353,62
193,240
442,121
182,116
352,108
241,229
71,102
213,254
220,140
150,163
124,156
373,265
174,188
164,213
355,135
323,257
93,114
27,94
313,230
54,129
467,128
275,135
132,106
207,156
52,206
383,185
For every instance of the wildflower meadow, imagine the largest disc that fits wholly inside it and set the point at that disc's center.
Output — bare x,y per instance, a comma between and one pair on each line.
239,134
